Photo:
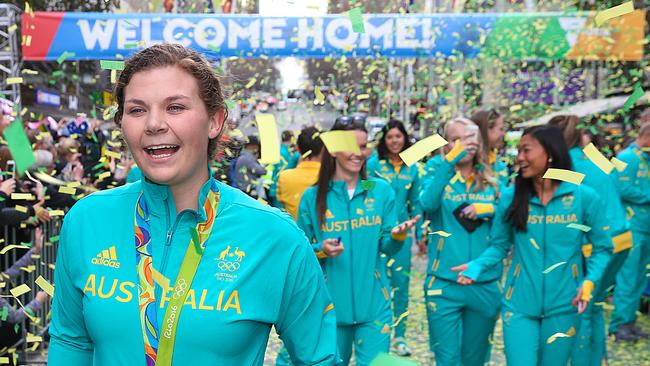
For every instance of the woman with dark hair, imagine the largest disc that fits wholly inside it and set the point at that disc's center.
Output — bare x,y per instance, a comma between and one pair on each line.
405,181
167,270
352,224
492,127
460,198
546,282
590,347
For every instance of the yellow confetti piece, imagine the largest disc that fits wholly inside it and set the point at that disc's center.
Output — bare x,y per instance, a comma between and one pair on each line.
534,243
551,268
73,184
45,285
12,246
20,290
56,213
114,154
28,269
251,82
270,143
399,319
619,164
598,159
14,80
564,175
441,233
390,262
33,338
320,98
421,149
583,228
12,28
340,141
23,196
48,179
67,190
104,175
363,96
20,208
614,12
434,292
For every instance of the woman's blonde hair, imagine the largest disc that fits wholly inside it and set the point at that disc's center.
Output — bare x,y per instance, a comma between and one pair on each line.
483,171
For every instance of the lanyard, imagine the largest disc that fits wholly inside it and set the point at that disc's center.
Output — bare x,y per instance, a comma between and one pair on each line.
159,341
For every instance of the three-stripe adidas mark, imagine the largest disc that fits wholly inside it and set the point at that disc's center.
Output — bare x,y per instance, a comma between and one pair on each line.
107,257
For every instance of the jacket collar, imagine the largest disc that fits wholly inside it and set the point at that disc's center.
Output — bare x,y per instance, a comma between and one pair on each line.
340,187
562,190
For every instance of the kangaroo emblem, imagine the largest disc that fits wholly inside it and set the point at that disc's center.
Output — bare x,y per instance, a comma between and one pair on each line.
240,255
224,253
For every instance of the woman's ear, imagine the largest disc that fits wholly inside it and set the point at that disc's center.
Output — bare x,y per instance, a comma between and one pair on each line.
216,124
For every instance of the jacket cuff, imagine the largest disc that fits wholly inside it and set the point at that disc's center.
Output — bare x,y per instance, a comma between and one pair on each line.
484,209
587,289
400,236
473,270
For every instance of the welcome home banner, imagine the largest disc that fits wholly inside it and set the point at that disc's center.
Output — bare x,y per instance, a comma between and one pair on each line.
87,36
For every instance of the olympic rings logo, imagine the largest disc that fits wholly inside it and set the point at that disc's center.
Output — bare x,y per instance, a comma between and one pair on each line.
228,266
180,288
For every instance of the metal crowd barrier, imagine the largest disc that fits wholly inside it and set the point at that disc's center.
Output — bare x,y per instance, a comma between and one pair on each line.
28,351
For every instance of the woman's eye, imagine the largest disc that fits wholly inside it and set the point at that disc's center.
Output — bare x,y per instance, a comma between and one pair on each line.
135,110
176,108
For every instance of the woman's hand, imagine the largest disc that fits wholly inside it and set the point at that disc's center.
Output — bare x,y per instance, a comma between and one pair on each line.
469,212
405,226
41,213
583,296
332,247
462,279
38,240
8,186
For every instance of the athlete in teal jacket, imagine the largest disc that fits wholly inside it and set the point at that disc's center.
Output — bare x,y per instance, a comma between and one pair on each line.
405,182
633,183
460,318
590,347
247,281
546,280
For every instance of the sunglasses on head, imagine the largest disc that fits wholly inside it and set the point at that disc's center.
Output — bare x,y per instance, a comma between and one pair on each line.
345,121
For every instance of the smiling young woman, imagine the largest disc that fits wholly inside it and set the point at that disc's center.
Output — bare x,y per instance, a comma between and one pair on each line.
166,270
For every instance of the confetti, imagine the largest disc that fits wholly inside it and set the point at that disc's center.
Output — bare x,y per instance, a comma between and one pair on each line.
564,175
270,143
441,233
20,290
67,190
551,268
7,248
592,153
23,196
634,97
320,98
14,80
614,12
64,56
340,141
534,243
45,285
368,185
421,149
356,17
619,164
54,213
434,292
580,227
19,145
111,65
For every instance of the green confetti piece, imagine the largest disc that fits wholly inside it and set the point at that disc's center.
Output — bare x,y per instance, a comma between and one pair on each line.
16,327
356,17
636,95
57,73
65,55
195,240
111,65
551,268
93,113
368,185
54,238
4,313
130,45
19,146
580,227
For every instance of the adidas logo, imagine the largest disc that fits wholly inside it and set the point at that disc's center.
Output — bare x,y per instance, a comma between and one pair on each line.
107,258
328,214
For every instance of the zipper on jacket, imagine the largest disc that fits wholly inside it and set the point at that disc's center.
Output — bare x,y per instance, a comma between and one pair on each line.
166,248
347,201
544,258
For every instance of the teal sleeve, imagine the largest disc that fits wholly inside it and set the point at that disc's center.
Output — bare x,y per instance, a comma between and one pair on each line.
70,343
500,243
626,182
434,187
306,218
388,244
414,204
602,246
307,323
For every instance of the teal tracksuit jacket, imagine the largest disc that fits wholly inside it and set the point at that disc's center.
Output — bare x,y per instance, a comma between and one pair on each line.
634,186
439,198
356,278
547,243
406,185
229,310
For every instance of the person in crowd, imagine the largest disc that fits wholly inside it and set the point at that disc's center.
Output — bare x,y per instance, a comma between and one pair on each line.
590,345
292,183
405,182
178,244
351,223
493,129
547,287
248,169
289,159
460,199
633,183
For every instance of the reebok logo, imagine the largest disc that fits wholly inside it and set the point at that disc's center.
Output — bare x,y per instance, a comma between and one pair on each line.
106,258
